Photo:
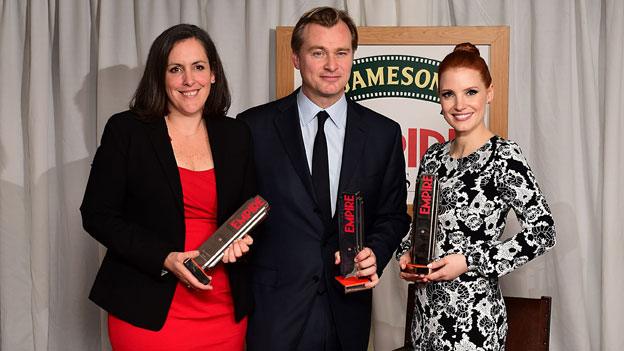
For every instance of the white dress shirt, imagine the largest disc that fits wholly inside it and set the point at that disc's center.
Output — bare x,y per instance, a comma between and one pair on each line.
334,133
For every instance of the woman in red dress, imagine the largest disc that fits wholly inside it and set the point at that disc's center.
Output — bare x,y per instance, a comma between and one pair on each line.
166,175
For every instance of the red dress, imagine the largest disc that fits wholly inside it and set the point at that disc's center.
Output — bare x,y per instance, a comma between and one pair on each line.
197,320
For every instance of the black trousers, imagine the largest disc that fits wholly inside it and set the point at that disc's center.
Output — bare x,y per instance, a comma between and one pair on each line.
319,333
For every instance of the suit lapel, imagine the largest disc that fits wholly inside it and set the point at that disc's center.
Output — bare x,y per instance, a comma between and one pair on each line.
353,149
218,148
289,131
162,146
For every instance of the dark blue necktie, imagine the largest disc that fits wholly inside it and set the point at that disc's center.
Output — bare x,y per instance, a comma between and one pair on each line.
320,168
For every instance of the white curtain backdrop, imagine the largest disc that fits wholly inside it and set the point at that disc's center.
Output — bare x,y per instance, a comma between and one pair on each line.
66,66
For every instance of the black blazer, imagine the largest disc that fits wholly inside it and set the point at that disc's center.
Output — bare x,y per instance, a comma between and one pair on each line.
293,257
133,206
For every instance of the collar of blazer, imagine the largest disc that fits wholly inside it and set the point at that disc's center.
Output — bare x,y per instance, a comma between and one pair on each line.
162,146
159,137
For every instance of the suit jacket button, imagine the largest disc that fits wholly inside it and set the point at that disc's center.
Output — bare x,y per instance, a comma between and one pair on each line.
315,278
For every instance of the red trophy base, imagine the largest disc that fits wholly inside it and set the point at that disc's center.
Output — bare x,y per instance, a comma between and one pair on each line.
352,284
417,268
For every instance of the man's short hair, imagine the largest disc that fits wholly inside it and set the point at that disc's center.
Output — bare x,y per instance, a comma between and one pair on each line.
326,17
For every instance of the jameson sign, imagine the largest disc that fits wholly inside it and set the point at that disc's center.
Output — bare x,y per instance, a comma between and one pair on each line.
401,82
400,76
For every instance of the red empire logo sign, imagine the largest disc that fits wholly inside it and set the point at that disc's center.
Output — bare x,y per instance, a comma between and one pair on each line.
418,141
347,214
424,195
253,207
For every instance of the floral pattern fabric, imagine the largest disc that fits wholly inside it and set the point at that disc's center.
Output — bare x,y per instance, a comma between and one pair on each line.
476,194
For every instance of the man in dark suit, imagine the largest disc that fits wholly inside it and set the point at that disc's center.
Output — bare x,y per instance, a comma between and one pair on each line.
301,168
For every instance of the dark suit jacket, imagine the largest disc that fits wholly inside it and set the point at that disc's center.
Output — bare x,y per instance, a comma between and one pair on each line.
133,205
293,257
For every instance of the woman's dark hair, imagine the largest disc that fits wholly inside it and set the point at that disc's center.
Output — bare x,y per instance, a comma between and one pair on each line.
326,17
150,98
466,55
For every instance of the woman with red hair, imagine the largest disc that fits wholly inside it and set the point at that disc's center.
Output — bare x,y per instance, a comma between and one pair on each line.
482,176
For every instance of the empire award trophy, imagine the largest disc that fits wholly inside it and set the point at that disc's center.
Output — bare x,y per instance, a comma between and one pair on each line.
350,240
251,213
424,224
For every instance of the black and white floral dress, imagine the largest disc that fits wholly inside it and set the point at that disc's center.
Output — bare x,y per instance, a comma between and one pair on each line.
476,193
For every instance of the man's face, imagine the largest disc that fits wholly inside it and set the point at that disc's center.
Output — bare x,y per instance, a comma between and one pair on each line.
324,61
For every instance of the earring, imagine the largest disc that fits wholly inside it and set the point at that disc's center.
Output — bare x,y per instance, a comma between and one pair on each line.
212,81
